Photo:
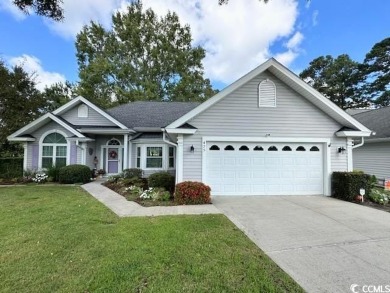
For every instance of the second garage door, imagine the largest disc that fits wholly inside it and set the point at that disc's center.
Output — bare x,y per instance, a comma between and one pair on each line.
264,168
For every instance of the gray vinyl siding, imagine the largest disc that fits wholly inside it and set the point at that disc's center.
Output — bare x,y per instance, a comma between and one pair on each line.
93,119
339,161
373,158
238,115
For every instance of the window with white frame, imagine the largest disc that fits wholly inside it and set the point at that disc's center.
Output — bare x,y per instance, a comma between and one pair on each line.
154,157
54,150
267,94
171,157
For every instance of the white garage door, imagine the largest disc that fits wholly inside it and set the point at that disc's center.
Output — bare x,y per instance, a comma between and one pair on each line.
264,168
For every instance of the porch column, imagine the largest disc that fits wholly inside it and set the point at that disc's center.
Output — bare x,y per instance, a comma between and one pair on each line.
349,154
179,159
84,153
25,154
126,151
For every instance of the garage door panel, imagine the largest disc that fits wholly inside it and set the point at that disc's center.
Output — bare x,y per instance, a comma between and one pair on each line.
246,172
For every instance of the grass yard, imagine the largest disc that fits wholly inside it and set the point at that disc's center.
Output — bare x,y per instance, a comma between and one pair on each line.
59,239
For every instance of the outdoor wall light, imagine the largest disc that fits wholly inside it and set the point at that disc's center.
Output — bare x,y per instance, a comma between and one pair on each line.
341,150
192,149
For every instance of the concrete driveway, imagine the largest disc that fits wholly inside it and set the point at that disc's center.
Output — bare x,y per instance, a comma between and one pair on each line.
325,244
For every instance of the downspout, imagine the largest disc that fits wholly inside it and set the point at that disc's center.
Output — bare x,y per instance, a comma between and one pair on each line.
358,145
167,141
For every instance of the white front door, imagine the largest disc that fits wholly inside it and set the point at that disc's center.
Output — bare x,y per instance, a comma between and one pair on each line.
248,168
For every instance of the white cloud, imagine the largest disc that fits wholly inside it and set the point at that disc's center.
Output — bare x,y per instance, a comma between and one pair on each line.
314,18
7,5
32,65
237,36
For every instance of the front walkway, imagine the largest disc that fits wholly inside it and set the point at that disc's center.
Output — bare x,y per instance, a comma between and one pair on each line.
124,208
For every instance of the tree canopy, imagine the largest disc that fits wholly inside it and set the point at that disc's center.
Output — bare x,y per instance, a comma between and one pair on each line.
20,101
351,84
142,57
48,8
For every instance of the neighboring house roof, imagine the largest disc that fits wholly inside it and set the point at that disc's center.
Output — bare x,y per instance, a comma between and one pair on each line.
378,120
148,114
293,81
356,111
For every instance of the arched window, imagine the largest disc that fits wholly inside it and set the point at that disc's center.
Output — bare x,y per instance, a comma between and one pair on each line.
314,149
258,148
272,148
229,148
244,148
54,150
286,149
113,141
301,149
214,148
267,94
82,111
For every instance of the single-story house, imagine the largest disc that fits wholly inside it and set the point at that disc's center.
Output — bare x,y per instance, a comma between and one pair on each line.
374,156
267,133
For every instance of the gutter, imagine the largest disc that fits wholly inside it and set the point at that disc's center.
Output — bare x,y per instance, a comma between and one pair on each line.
167,141
358,145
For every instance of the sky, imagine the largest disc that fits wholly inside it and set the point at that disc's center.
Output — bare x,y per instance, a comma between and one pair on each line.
237,37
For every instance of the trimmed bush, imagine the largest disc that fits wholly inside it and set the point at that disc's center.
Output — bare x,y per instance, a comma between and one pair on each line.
132,173
190,192
74,174
11,168
162,180
53,172
346,185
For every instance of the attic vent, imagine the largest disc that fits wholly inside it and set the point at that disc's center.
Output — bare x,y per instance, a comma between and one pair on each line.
82,111
267,94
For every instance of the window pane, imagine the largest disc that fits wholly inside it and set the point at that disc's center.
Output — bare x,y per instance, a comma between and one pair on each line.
60,162
54,138
154,152
138,152
154,163
171,151
47,151
171,162
61,151
138,162
47,162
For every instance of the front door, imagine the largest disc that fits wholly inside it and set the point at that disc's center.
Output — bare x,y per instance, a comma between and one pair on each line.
113,160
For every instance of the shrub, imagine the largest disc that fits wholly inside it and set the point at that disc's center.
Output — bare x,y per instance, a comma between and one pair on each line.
379,196
162,180
132,173
189,192
11,167
40,178
53,172
74,174
155,194
346,185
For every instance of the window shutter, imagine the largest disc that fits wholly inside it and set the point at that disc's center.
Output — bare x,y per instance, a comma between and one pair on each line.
267,94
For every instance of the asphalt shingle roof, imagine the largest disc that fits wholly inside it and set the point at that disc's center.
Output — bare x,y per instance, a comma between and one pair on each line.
150,114
377,120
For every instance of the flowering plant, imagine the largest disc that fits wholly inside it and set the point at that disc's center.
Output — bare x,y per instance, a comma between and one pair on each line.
40,178
379,197
134,190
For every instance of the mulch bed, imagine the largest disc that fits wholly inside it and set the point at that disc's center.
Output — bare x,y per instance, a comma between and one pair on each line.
375,205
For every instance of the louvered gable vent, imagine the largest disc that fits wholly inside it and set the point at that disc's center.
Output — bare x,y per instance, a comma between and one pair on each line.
267,94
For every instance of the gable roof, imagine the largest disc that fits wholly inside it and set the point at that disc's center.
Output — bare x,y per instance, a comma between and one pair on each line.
149,114
36,124
79,100
293,81
377,120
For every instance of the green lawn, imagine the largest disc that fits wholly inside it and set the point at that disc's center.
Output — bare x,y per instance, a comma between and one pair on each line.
60,239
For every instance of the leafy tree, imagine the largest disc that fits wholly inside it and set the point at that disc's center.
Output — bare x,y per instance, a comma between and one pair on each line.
142,57
20,101
48,8
57,95
338,79
377,73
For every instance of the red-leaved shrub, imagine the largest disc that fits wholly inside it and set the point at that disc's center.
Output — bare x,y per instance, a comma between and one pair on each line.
190,192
